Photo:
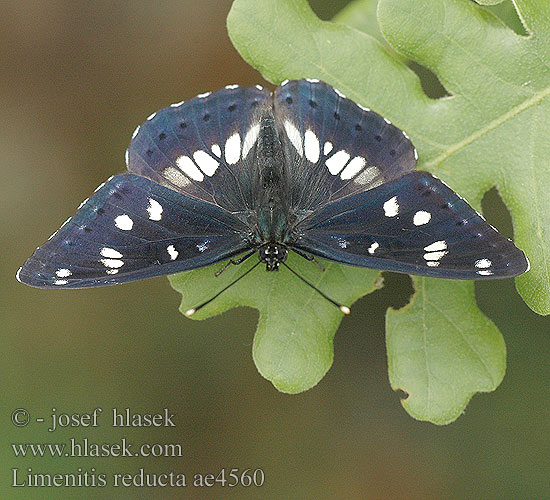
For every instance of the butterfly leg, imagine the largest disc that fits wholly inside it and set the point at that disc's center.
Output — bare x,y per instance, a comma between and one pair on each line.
309,257
237,262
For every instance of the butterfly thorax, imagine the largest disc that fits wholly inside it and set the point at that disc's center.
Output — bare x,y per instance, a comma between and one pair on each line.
270,207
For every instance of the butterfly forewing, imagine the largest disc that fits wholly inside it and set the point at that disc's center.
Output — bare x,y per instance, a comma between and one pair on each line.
131,229
204,147
334,148
414,224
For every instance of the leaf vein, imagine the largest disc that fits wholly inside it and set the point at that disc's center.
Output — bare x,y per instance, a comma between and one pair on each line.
454,148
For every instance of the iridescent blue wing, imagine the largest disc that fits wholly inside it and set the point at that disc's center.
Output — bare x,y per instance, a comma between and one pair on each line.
333,147
414,224
131,229
204,148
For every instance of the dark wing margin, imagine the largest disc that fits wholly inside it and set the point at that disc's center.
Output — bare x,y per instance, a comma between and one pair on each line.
416,225
334,147
132,229
203,148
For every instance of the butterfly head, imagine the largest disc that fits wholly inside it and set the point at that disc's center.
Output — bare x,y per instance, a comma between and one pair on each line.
272,254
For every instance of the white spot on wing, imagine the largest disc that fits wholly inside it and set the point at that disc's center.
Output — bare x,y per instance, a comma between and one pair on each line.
387,121
373,247
311,146
421,217
483,263
177,104
175,176
112,263
250,139
342,243
202,96
60,282
259,87
187,166
364,108
135,132
432,263
124,222
312,80
201,247
233,149
216,150
485,272
111,271
294,136
327,148
391,207
154,209
337,162
284,82
17,274
368,175
353,168
127,157
232,86
152,115
339,93
415,154
206,163
63,273
434,255
436,246
83,203
110,253
172,252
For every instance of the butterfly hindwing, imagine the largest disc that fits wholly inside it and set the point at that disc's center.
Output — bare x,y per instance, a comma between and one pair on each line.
203,147
414,224
130,229
333,147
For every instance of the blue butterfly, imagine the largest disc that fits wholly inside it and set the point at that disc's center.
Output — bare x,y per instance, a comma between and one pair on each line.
244,171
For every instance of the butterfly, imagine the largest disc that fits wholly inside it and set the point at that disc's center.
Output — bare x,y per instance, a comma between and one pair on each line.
243,171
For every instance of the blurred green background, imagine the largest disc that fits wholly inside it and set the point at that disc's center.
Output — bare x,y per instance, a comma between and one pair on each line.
76,78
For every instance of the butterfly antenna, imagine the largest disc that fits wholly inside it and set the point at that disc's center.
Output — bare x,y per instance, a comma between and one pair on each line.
344,309
192,311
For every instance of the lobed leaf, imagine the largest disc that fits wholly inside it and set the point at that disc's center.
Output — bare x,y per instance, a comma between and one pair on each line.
489,132
293,343
442,352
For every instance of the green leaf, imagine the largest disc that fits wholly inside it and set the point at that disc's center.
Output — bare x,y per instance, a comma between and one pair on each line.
434,343
490,131
488,2
361,15
293,344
